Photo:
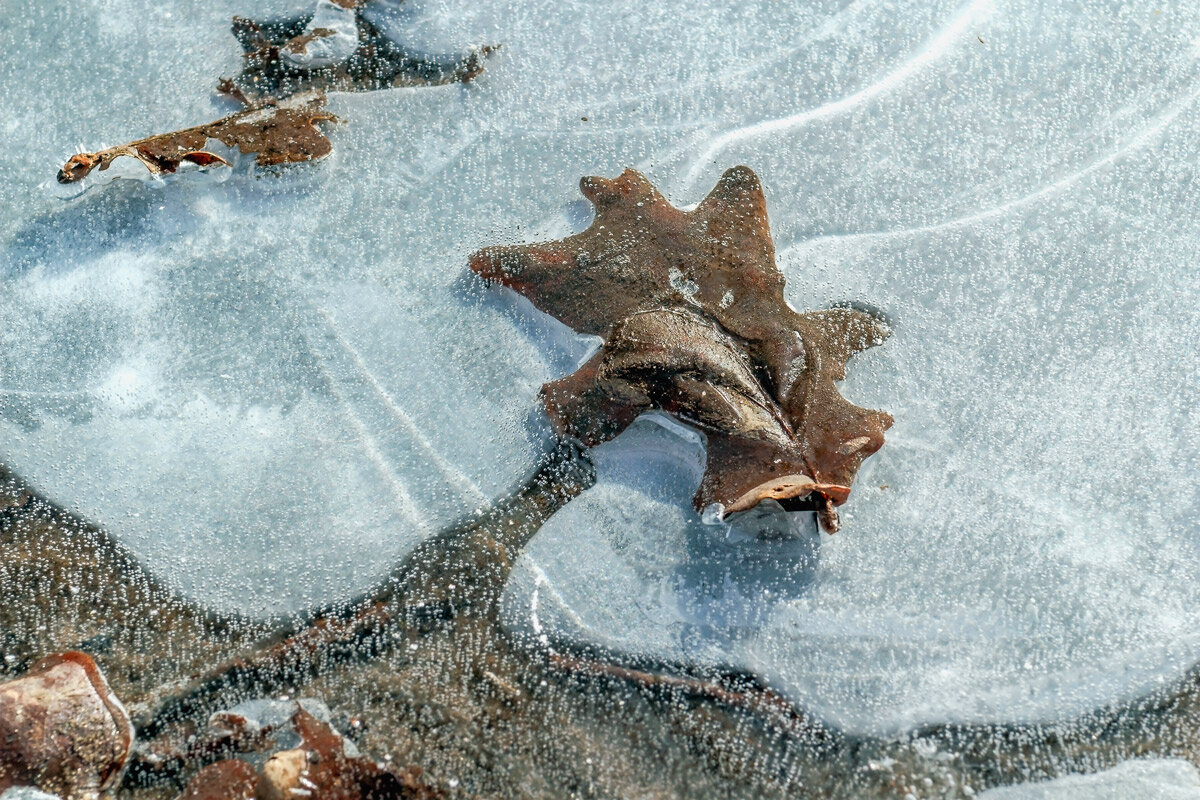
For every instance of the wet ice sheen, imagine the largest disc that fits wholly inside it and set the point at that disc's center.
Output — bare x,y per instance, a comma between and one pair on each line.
272,388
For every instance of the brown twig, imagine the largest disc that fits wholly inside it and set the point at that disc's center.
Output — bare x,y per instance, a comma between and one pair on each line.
760,702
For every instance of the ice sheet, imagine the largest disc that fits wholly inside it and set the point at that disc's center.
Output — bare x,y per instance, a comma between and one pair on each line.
1017,190
273,387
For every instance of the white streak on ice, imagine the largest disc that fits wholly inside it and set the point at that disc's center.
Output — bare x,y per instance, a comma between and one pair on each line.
368,444
405,422
971,13
1144,136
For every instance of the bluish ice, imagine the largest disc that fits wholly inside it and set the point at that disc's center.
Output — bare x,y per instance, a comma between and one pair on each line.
1163,779
272,387
1015,187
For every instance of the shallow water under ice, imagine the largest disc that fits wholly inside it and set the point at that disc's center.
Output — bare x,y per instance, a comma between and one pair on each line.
273,387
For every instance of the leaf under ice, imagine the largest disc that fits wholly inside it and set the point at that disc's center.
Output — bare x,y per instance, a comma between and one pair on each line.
691,307
288,65
337,49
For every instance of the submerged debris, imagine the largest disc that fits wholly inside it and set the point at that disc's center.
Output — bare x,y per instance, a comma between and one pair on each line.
336,49
62,730
276,133
322,766
288,65
691,307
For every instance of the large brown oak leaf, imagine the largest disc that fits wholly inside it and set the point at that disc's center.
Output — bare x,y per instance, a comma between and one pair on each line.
691,309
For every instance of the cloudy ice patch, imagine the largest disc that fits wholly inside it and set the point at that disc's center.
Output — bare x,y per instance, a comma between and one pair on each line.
1165,779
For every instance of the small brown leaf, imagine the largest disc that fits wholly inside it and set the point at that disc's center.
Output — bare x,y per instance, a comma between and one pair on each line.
691,307
280,133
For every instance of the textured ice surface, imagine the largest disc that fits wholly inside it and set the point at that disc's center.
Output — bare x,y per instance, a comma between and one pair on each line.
273,387
272,713
432,28
1015,185
1162,779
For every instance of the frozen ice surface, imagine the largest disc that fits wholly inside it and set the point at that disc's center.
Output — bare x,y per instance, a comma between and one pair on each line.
274,713
1014,185
26,793
433,28
337,40
1162,779
272,387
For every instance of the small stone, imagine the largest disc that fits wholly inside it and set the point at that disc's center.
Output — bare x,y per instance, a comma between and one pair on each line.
62,730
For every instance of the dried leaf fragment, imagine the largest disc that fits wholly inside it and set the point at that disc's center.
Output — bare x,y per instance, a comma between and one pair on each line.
322,767
277,133
337,49
62,729
691,307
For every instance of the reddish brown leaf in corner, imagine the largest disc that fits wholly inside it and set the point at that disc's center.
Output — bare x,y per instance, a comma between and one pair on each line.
277,133
690,305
